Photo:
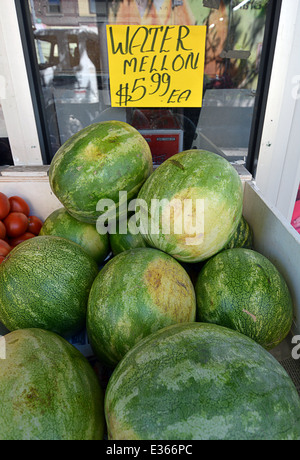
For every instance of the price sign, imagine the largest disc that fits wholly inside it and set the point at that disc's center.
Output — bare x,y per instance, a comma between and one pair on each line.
156,66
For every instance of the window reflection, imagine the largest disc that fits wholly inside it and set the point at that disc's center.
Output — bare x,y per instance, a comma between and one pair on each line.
73,66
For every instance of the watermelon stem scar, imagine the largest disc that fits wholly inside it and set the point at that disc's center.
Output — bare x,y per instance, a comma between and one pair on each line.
250,314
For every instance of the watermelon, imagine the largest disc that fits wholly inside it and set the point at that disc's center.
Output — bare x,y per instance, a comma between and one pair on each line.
48,390
45,283
61,223
126,238
196,229
137,292
241,289
201,381
243,236
96,164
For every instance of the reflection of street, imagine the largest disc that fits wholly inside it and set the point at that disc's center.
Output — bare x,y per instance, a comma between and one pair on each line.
69,79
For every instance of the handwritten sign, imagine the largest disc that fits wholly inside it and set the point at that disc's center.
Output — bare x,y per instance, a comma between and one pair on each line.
156,66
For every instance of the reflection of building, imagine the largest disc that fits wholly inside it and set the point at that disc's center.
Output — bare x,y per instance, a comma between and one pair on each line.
65,12
82,12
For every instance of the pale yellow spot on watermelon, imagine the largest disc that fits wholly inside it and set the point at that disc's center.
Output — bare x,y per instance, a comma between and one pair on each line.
92,151
171,290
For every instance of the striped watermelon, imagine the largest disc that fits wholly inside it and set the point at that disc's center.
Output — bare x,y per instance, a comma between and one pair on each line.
45,283
61,223
243,236
124,239
241,289
48,390
136,293
207,181
201,381
97,163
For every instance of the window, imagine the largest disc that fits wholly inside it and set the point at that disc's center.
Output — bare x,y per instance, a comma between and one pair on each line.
99,7
75,80
54,6
92,6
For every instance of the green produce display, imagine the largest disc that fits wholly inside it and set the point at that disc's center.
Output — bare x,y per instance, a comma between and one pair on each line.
45,283
136,293
140,310
48,390
201,381
192,175
61,223
241,289
97,163
242,238
120,242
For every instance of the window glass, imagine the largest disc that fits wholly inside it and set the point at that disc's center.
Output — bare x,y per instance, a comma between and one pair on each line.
54,6
73,67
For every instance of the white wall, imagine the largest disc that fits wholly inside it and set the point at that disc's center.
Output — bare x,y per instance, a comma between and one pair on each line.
278,171
15,94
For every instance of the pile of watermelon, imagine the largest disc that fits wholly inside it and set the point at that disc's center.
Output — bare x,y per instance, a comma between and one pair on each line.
158,268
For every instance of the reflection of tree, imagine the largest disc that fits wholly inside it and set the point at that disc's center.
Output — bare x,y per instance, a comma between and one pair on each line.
216,36
239,73
150,12
225,31
247,70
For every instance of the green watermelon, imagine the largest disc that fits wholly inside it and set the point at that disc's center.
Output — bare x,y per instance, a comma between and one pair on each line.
96,164
136,293
124,239
213,189
241,289
61,223
48,390
242,238
201,381
45,283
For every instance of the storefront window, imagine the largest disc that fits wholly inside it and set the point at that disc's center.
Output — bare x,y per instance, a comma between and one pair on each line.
71,52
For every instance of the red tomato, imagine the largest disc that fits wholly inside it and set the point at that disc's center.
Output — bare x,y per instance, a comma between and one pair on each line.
26,236
4,206
34,225
2,231
5,248
1,259
17,204
16,224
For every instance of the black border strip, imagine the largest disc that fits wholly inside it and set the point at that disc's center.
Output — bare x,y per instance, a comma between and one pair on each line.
266,63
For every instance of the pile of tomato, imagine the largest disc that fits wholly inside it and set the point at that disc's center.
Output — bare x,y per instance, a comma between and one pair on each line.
16,223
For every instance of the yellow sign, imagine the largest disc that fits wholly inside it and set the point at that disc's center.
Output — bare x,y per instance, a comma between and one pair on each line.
156,66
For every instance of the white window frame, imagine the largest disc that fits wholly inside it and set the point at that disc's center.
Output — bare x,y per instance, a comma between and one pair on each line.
15,94
278,168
